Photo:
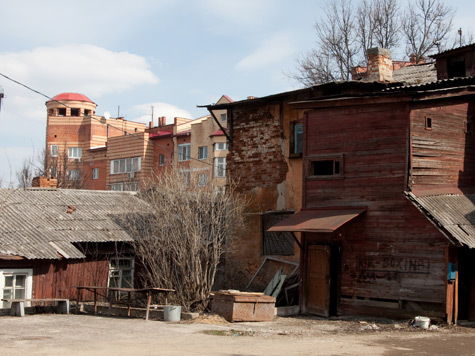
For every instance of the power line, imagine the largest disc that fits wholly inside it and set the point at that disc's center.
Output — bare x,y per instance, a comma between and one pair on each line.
99,120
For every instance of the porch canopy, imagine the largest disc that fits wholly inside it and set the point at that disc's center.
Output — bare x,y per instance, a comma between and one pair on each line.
319,220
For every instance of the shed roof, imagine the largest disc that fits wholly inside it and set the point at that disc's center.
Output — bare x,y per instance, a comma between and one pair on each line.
321,220
44,224
453,214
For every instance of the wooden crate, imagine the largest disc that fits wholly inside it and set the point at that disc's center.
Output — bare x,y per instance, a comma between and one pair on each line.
239,306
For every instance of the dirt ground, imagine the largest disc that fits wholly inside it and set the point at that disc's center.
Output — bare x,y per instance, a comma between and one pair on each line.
51,334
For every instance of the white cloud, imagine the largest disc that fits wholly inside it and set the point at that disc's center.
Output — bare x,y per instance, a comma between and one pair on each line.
143,112
274,50
80,68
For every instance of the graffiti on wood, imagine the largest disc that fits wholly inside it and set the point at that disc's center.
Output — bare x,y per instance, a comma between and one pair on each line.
371,269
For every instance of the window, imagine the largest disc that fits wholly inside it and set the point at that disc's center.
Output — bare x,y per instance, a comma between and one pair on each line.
53,172
15,283
62,112
125,165
203,152
161,160
223,117
54,150
95,173
74,112
50,112
456,67
220,146
296,139
326,167
202,179
276,243
74,152
74,174
124,187
428,123
87,112
184,152
220,167
121,273
186,175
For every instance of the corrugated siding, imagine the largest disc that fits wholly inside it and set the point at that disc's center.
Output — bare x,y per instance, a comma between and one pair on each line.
30,219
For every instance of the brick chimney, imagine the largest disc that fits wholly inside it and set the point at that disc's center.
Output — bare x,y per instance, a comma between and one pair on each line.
380,65
44,182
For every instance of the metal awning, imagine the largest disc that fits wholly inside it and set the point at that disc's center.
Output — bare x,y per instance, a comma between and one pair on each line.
321,220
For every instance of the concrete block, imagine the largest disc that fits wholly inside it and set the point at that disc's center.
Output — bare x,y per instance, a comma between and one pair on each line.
17,309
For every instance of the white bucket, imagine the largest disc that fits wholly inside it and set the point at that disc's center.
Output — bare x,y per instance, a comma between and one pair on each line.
171,312
422,322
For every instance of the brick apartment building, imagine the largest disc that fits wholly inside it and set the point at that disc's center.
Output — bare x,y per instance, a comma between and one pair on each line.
84,150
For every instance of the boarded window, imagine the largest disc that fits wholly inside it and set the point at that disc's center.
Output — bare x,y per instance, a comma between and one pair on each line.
276,243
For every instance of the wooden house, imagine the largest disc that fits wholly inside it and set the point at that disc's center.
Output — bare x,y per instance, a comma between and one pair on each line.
387,215
53,239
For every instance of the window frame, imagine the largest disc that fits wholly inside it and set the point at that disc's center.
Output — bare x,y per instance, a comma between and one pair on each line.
120,271
224,117
74,175
202,180
186,155
74,152
293,139
28,272
217,146
336,158
95,173
161,159
202,153
125,165
54,150
218,162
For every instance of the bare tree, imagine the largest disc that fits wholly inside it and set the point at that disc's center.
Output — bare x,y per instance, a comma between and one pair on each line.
68,173
346,32
378,24
425,26
25,174
180,241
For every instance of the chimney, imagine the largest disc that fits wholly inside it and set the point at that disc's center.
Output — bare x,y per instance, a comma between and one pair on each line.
44,182
380,65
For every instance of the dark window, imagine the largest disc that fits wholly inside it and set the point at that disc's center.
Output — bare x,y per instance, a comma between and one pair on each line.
62,112
296,139
87,112
330,167
74,112
161,159
456,67
276,243
428,123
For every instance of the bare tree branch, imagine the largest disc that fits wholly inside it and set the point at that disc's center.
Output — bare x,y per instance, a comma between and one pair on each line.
425,26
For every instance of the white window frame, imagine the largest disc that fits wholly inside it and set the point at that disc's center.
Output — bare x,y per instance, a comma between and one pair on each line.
202,179
124,186
202,152
17,271
221,146
220,167
184,152
95,173
74,152
74,174
125,165
224,117
54,150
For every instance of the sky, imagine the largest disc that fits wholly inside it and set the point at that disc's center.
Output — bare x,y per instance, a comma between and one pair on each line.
130,56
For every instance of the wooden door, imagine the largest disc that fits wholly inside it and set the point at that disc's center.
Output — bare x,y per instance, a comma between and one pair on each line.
318,280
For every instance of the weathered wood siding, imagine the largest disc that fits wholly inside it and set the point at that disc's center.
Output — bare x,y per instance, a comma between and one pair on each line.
443,154
390,253
55,278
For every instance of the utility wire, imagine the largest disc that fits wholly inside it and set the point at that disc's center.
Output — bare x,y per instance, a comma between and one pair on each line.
94,118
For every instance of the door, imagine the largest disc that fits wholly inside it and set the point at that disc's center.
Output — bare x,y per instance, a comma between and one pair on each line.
318,280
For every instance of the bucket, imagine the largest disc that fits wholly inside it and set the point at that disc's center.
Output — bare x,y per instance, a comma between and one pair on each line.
171,312
422,322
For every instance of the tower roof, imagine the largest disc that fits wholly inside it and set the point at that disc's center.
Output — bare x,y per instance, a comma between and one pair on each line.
72,97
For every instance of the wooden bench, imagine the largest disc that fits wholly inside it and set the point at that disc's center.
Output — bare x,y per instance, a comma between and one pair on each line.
18,305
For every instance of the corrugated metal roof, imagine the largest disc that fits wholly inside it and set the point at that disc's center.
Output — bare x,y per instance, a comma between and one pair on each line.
40,223
322,220
454,213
